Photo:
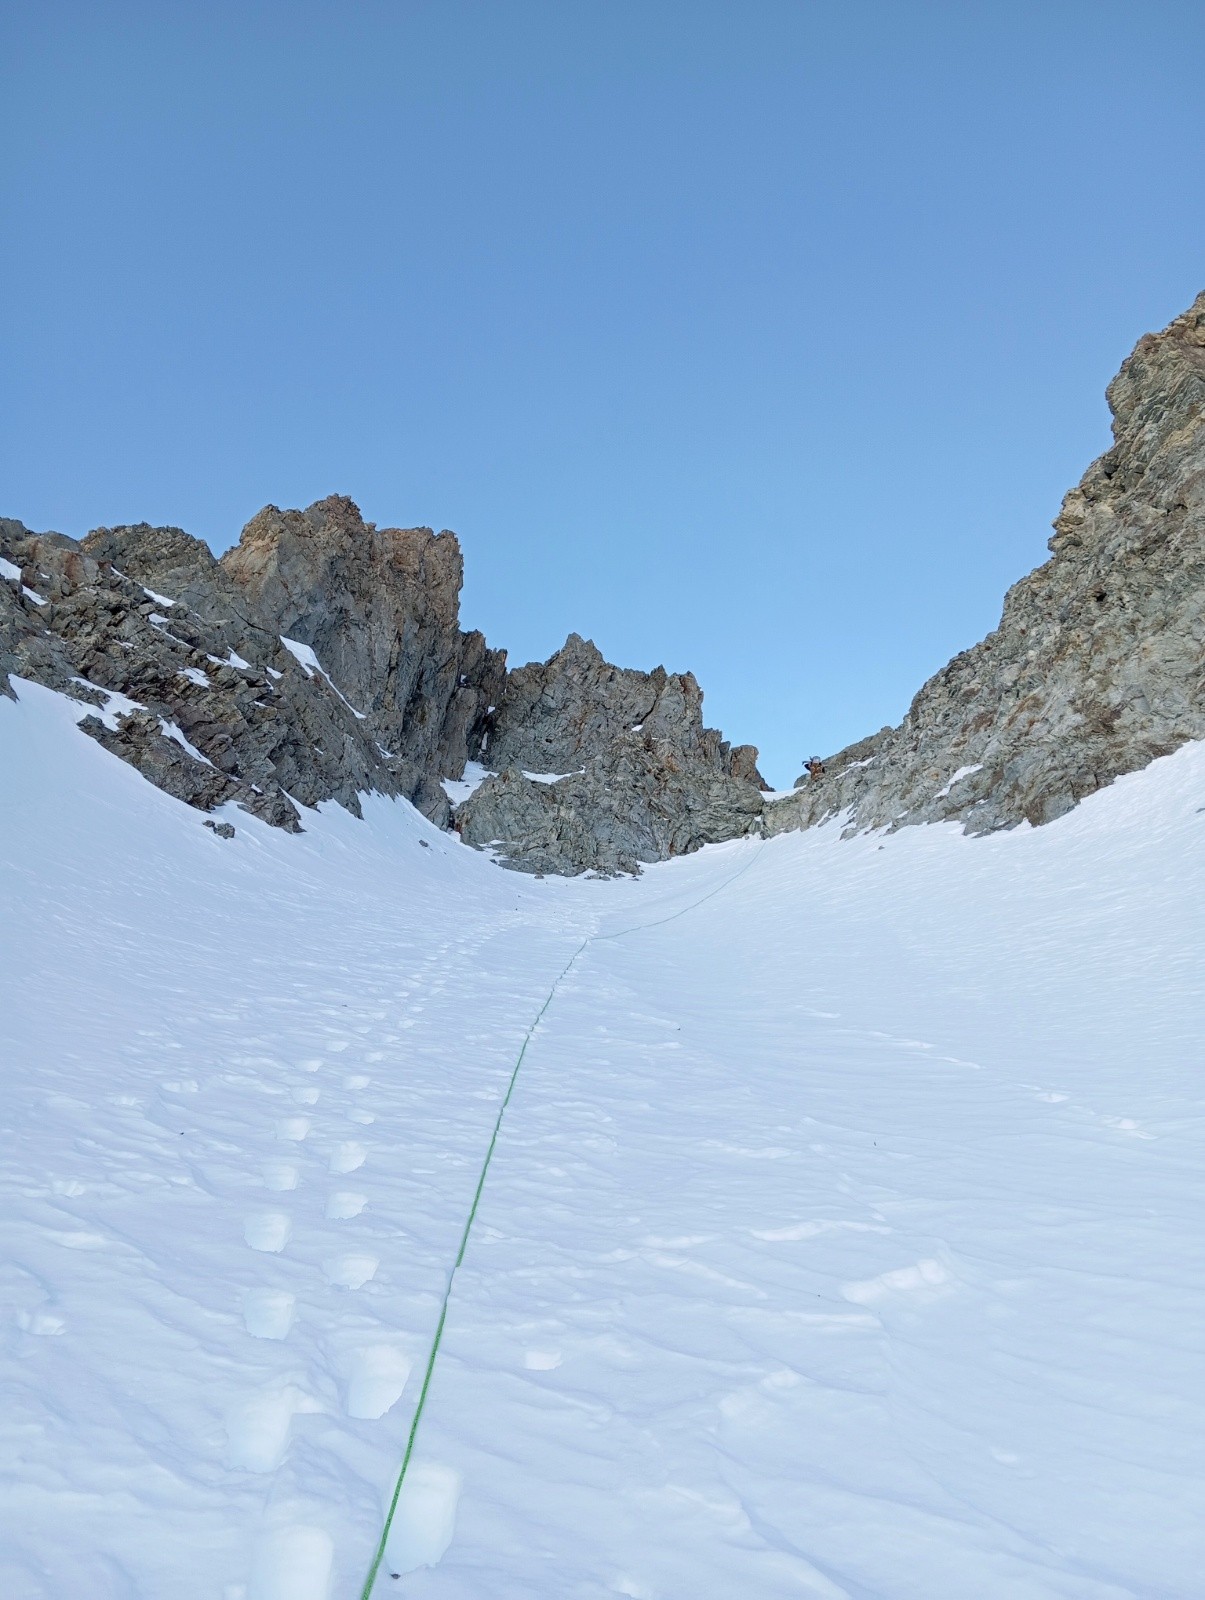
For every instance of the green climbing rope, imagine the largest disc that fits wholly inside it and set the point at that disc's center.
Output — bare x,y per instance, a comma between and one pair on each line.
379,1555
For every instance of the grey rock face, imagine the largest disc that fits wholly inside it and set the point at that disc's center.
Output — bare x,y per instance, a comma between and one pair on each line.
639,778
1098,665
380,607
258,733
323,657
224,710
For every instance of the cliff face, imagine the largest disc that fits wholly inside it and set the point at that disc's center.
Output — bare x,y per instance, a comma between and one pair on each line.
626,770
1098,665
380,607
319,659
322,657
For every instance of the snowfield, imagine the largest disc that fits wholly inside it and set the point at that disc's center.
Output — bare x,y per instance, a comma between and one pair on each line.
844,1236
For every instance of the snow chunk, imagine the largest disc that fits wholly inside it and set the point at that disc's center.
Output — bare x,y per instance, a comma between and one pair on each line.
553,777
116,705
9,570
38,599
458,790
304,655
963,772
231,660
171,731
194,675
310,665
159,599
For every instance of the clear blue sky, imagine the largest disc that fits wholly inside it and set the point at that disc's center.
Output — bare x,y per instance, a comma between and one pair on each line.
761,339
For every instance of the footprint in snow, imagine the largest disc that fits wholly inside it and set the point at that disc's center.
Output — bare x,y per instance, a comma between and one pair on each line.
292,1564
293,1128
268,1313
425,1519
306,1097
267,1230
280,1175
42,1323
345,1203
376,1381
75,1239
351,1271
347,1157
257,1430
542,1360
926,1275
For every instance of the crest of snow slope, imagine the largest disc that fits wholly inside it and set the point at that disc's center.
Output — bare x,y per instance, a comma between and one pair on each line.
843,1239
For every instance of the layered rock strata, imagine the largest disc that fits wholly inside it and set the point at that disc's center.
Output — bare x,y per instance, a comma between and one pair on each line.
1098,664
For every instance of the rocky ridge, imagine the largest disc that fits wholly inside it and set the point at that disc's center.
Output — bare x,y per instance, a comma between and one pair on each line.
207,675
1098,664
322,658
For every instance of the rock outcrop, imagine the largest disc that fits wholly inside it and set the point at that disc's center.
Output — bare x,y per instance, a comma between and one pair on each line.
1098,665
322,657
214,672
624,770
380,608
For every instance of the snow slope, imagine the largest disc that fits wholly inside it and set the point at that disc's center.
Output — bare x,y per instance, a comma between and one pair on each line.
844,1237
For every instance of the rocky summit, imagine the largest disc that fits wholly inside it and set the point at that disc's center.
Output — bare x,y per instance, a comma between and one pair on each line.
322,658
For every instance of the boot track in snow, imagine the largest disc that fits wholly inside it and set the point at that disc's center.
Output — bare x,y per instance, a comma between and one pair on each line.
429,1371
